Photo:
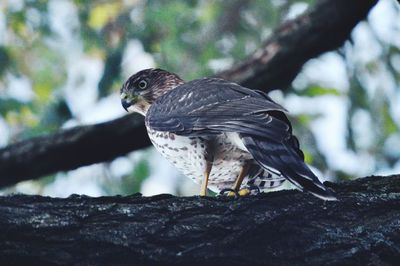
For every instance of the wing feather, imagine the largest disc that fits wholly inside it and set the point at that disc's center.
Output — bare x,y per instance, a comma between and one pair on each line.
212,106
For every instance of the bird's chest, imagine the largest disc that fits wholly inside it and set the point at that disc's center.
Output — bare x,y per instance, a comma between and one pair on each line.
191,155
188,154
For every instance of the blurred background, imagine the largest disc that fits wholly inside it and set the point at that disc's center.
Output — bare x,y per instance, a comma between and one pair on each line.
62,63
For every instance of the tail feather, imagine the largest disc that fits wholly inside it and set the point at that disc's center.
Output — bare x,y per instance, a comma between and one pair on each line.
286,160
263,179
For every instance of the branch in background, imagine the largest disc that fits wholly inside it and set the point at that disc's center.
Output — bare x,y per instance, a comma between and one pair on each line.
324,28
70,148
277,228
275,65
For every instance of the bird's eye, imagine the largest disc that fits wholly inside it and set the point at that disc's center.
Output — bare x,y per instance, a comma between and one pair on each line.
142,84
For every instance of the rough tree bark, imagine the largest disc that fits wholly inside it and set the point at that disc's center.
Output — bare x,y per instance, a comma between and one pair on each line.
278,228
325,27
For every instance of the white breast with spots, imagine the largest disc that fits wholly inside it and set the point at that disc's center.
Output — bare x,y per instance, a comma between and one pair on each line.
191,154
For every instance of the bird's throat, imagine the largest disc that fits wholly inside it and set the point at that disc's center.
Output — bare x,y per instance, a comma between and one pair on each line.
141,106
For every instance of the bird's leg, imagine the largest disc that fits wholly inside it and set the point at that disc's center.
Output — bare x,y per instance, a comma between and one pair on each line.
239,180
204,184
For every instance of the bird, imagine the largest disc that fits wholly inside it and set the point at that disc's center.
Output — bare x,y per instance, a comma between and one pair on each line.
222,135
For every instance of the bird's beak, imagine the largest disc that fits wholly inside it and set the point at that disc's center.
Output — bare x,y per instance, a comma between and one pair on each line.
125,101
125,104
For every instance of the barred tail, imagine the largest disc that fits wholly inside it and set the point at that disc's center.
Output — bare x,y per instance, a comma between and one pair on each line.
284,159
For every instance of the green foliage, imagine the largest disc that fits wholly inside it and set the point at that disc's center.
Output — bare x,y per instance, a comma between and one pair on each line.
4,59
128,184
8,105
111,74
316,90
140,173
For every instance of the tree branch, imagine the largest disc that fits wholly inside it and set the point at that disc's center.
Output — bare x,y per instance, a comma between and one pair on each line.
278,228
70,148
322,29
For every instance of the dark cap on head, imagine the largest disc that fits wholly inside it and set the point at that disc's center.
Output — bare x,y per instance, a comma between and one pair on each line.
147,85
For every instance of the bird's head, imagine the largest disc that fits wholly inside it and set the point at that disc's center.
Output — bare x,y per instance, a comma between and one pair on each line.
144,87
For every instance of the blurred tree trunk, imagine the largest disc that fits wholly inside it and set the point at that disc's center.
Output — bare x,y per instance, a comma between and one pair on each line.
278,228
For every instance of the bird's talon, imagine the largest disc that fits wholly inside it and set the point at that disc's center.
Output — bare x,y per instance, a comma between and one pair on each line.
253,190
229,192
244,192
249,190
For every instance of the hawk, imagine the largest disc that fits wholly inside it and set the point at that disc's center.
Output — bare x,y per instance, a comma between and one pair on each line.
219,133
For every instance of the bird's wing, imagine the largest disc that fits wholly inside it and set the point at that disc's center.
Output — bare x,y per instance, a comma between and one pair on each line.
212,106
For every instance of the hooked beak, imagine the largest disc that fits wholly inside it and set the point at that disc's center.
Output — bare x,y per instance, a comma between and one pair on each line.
125,101
125,104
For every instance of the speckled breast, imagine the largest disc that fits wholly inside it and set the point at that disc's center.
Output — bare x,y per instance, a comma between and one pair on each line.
191,155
